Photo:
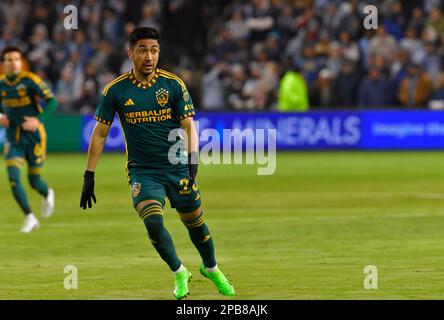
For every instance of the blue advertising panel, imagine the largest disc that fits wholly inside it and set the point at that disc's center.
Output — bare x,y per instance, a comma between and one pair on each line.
315,130
115,140
366,130
391,130
323,130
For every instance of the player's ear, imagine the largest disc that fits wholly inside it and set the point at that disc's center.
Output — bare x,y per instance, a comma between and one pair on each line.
130,52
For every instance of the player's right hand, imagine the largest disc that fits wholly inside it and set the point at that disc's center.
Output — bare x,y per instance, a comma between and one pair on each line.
193,161
4,120
30,123
88,190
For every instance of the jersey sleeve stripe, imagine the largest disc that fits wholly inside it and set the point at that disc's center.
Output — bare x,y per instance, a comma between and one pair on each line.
174,77
182,85
39,108
118,79
171,75
35,78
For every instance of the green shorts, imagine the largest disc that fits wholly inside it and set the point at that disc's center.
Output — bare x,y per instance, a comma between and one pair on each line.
158,184
29,146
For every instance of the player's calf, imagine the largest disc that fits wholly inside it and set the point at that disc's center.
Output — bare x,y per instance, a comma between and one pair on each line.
17,189
199,235
152,217
36,182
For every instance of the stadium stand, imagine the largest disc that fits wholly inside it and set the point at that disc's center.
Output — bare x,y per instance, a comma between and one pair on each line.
233,54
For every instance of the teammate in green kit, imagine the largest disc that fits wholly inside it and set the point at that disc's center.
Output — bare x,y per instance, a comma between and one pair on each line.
22,115
151,103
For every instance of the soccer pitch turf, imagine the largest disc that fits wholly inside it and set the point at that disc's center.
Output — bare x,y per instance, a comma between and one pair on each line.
306,232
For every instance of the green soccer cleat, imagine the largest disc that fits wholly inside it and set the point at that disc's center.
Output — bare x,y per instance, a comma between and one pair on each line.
181,284
224,285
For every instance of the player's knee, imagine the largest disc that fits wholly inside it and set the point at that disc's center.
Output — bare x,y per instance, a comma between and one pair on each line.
13,175
152,216
143,205
34,181
194,221
190,215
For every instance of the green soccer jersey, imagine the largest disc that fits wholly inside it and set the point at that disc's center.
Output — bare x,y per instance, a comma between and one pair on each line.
147,114
19,97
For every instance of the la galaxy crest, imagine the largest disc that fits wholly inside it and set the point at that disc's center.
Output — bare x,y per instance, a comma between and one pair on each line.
21,90
162,96
136,189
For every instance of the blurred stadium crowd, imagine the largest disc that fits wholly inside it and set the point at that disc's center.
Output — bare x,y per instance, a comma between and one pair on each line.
234,54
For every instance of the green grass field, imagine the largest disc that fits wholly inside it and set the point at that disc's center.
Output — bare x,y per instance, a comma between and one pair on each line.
307,232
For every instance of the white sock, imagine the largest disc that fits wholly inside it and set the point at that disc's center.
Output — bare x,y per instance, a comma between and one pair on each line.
31,215
181,268
213,269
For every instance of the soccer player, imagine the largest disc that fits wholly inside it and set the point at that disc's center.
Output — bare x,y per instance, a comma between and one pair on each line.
150,103
22,115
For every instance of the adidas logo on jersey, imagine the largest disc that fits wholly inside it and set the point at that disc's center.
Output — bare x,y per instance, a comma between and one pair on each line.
130,102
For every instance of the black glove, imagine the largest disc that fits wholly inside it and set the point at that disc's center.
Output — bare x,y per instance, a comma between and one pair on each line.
88,190
193,159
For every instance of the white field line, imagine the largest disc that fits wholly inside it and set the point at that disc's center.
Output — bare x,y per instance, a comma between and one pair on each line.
353,194
366,216
296,217
418,195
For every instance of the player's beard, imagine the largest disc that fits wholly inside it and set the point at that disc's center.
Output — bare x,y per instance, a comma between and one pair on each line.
13,72
145,73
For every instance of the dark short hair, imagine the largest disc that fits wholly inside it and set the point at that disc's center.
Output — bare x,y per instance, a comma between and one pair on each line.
143,33
9,49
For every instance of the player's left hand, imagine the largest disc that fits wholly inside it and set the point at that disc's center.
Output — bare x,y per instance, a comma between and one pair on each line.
193,161
88,190
30,123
